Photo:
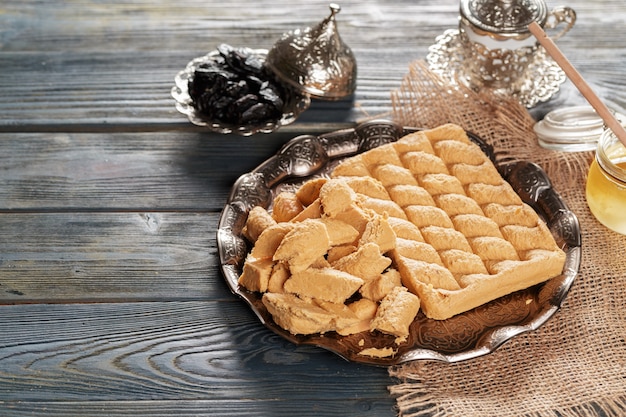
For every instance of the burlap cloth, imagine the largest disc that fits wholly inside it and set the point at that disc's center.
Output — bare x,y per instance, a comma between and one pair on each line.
575,364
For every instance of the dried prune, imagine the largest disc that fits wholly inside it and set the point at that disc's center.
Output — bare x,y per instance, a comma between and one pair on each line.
241,60
238,89
235,88
272,96
256,113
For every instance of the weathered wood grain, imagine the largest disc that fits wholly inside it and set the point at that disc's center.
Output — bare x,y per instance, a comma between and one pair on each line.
348,407
91,65
155,171
87,358
87,257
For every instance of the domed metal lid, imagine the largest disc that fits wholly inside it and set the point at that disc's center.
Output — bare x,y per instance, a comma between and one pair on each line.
504,16
315,60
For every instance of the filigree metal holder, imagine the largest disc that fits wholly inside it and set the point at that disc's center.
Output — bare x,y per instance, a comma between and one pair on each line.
541,80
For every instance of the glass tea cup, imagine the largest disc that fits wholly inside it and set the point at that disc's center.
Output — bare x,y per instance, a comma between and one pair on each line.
497,45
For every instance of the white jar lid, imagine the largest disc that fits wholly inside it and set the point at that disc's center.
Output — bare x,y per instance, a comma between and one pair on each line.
571,129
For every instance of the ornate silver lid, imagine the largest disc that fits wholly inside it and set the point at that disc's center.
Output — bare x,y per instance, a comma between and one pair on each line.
504,17
315,60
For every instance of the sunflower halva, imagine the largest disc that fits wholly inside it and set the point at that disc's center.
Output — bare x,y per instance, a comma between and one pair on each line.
425,222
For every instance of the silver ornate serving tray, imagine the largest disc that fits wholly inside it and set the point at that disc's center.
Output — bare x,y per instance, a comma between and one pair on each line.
468,335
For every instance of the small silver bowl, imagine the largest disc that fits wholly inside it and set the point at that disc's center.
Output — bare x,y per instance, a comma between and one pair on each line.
295,102
306,63
315,60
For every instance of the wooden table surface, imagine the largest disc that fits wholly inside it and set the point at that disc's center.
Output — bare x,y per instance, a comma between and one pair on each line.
112,301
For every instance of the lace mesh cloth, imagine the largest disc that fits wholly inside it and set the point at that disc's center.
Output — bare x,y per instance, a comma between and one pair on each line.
575,364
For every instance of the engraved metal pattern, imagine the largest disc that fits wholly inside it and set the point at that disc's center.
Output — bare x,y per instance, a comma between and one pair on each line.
232,248
340,143
471,334
458,332
495,68
567,223
303,155
252,190
558,15
529,181
377,135
504,16
316,60
540,81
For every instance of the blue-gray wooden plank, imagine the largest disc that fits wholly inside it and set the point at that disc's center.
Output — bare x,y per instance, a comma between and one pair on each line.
89,357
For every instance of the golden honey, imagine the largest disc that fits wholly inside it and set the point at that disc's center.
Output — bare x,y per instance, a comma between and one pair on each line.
606,183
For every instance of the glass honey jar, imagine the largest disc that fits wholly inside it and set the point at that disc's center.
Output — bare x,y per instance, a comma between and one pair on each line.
606,183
